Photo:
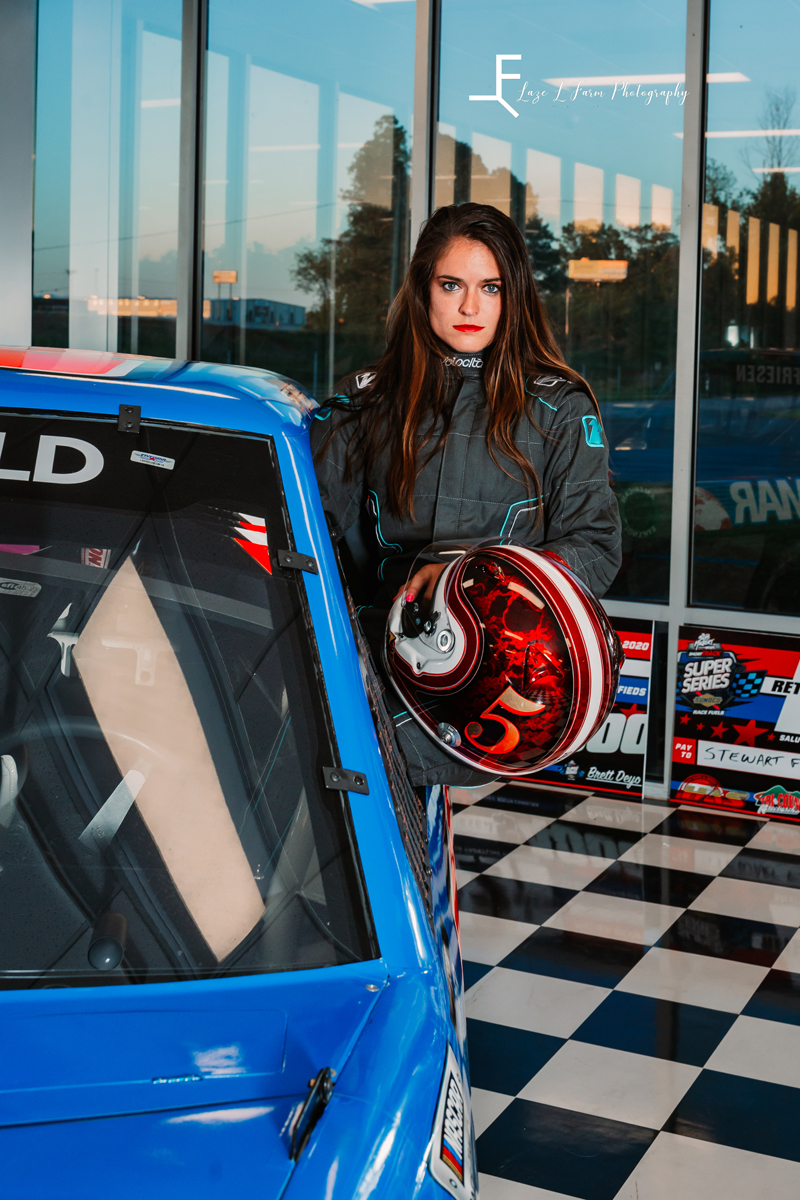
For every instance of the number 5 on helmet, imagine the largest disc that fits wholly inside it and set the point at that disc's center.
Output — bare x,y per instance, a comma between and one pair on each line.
515,665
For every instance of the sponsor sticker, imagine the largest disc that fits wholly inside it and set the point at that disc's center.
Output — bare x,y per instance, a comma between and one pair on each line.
452,1145
710,677
612,763
737,716
450,1160
92,557
19,587
152,460
707,788
698,785
777,800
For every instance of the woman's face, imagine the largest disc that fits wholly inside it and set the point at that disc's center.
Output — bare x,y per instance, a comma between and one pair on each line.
466,296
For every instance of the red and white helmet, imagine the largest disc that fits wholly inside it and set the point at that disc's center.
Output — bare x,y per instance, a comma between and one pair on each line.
513,666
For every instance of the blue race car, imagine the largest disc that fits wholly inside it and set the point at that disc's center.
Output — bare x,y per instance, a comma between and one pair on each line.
229,956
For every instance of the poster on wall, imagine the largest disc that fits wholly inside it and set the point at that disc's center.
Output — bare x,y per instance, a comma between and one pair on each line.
737,722
612,763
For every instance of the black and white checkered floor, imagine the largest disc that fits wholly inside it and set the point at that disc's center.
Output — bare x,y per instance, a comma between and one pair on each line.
633,1002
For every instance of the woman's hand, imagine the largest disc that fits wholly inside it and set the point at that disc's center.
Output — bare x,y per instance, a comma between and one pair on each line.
422,582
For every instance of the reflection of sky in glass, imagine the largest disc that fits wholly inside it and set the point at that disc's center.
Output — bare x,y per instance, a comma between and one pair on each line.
618,134
108,117
315,77
159,137
761,42
746,534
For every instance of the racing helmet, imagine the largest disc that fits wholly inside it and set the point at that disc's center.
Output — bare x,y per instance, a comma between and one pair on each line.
513,664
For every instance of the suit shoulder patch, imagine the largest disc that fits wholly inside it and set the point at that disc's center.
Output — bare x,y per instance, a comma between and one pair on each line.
549,380
593,431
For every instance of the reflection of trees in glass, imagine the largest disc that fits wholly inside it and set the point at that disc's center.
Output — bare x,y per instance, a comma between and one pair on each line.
722,186
545,256
776,149
622,335
366,262
462,175
750,242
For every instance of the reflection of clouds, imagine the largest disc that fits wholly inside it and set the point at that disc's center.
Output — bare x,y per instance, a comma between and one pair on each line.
221,1116
221,1060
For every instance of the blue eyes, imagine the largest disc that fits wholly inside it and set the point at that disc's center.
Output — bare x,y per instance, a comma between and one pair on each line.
491,289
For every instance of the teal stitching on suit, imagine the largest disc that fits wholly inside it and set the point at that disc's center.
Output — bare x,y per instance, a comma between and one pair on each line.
381,538
539,398
529,501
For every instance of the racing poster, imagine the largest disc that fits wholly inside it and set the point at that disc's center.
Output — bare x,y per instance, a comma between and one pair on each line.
612,763
737,722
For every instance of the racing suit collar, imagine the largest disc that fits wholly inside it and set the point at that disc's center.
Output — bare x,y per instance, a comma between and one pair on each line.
469,364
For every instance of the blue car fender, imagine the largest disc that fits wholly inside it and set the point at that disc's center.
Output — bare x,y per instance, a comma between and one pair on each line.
377,1134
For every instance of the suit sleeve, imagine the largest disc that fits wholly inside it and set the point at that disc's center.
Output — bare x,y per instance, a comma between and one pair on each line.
341,498
581,518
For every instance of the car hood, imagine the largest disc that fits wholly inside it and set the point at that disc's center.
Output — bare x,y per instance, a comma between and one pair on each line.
240,1149
373,1137
71,1055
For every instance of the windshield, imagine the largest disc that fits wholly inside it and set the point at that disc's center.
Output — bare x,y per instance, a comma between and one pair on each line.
164,724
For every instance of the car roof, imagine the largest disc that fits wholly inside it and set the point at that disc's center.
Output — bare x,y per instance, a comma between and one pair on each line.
286,402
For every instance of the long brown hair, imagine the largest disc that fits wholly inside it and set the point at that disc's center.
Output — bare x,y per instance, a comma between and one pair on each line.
415,384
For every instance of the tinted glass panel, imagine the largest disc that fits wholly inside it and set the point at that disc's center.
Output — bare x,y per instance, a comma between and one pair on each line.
584,152
163,728
106,200
747,509
307,182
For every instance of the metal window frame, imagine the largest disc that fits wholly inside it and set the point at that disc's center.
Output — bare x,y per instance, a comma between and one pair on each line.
191,185
426,111
680,610
18,24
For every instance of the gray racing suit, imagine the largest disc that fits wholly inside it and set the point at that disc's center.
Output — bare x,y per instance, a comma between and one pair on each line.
463,495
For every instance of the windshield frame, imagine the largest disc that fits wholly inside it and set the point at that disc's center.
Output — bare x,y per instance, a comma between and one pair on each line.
317,695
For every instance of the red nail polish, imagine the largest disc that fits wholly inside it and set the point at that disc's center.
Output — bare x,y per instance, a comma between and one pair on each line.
410,596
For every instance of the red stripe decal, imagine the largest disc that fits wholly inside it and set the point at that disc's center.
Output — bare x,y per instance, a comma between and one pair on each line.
259,553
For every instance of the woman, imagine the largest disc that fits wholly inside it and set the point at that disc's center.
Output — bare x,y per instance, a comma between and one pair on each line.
471,426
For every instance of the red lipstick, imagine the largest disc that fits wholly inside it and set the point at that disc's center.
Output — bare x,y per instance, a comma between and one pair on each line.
469,328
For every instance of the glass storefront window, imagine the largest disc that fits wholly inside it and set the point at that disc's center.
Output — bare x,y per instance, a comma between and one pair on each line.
106,194
747,495
572,126
307,169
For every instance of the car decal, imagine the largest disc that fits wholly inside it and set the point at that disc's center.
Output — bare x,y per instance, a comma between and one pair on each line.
252,538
